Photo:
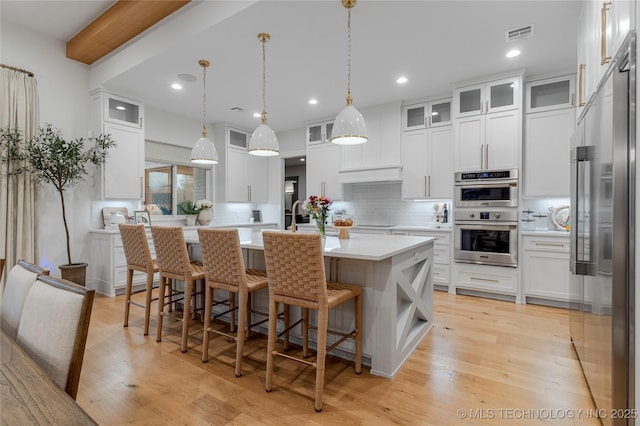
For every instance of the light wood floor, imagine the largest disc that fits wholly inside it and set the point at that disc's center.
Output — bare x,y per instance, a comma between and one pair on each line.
495,358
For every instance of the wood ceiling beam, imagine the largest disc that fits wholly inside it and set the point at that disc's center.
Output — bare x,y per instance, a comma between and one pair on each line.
117,25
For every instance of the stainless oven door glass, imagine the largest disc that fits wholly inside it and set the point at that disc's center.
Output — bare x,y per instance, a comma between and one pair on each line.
503,194
486,243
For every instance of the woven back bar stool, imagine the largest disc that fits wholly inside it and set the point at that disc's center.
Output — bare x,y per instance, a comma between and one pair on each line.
138,254
300,280
224,269
174,264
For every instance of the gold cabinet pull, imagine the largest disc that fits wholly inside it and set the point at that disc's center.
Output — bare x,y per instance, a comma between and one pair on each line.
581,69
604,59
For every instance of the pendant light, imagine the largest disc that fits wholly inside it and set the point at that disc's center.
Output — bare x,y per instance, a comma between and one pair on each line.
349,127
204,151
263,141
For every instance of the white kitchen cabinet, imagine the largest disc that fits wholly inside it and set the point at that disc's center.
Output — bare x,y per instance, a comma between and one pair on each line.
488,97
122,175
485,279
550,94
427,163
240,177
384,145
319,132
108,264
323,164
602,27
426,114
488,141
488,124
545,271
547,153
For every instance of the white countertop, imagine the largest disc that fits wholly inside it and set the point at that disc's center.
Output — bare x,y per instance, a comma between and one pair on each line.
359,246
211,225
444,227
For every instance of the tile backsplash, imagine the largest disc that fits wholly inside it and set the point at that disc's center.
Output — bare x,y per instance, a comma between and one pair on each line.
381,203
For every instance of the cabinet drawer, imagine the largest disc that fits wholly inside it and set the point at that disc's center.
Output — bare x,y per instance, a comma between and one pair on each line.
119,259
441,274
548,244
493,280
441,254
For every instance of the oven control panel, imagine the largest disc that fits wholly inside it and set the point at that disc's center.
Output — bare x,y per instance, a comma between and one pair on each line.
510,215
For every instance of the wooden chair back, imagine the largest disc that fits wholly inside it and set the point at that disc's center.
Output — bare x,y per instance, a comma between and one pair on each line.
295,267
53,328
222,257
171,252
2,261
136,247
19,281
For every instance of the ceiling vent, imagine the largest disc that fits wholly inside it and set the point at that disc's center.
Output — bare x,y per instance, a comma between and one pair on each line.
520,33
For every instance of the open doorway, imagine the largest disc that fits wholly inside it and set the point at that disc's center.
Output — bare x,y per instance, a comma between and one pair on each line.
295,188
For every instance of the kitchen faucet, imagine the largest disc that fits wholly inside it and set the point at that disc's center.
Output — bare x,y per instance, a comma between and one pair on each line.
292,227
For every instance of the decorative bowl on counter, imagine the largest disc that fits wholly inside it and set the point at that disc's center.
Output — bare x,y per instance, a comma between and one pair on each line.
343,223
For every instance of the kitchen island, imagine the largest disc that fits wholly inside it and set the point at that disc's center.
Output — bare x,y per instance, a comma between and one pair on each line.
396,273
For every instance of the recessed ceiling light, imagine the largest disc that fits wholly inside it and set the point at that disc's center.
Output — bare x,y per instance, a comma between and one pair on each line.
402,80
303,159
257,115
176,86
121,108
513,53
186,77
313,101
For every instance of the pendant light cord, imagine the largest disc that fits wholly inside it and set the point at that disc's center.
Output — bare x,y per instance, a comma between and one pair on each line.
349,99
264,83
204,99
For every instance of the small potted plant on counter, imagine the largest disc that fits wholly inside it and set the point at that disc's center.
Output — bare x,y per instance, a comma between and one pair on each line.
200,210
51,159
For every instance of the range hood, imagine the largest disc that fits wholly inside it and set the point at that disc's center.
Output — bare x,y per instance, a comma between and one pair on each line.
371,174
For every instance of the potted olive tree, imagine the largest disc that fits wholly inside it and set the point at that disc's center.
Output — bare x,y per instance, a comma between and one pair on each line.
63,164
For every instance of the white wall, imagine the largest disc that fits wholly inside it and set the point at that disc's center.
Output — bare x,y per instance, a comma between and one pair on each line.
64,102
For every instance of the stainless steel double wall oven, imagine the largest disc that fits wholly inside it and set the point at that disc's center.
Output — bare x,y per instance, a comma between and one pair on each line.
486,217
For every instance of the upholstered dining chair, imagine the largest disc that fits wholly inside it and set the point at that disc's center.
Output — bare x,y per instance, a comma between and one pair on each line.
19,281
224,269
53,328
174,264
301,281
138,254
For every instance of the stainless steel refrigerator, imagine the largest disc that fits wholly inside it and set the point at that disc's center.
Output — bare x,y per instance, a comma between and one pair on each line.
603,192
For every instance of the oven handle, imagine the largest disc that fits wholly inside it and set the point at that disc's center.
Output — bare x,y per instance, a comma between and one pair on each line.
495,226
487,185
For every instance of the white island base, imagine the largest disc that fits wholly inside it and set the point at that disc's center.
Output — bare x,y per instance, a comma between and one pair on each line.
396,273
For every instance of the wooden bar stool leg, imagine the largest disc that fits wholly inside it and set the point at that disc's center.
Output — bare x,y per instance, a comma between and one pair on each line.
271,343
188,290
147,302
323,315
193,300
358,312
232,314
203,291
249,317
242,304
305,332
163,283
287,318
127,298
207,324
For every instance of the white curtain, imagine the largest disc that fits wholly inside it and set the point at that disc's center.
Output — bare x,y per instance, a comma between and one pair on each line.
19,109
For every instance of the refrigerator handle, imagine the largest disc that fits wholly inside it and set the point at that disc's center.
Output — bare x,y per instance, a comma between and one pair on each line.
582,187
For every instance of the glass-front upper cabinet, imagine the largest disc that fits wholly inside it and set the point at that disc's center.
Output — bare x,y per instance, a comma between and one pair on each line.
319,132
237,138
495,96
426,114
122,111
550,93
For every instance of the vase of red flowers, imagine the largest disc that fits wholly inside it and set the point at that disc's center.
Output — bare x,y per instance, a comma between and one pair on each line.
318,208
